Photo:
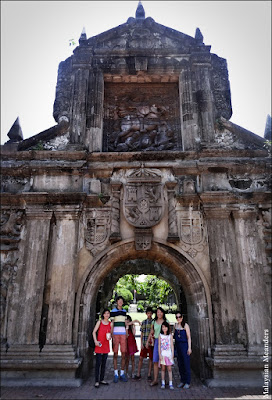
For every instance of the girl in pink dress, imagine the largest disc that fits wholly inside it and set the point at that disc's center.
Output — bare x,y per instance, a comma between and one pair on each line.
131,345
166,353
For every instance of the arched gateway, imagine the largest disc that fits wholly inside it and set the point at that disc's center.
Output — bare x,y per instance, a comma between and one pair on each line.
143,164
196,289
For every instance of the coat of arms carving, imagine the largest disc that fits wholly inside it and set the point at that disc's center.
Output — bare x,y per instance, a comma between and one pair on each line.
143,198
97,230
191,232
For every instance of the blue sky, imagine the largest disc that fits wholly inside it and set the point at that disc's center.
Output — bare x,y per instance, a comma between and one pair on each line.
35,39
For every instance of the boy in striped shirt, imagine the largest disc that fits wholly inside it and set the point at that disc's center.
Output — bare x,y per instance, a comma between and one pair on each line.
118,334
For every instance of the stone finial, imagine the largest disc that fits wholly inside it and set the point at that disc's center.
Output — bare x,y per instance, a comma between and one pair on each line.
140,12
267,131
83,36
198,36
15,133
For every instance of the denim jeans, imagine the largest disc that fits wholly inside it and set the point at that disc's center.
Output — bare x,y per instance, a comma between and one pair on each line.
101,360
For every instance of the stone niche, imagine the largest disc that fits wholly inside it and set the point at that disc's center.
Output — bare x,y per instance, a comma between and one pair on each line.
141,117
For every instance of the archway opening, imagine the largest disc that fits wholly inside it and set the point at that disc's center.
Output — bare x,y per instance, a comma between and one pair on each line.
121,259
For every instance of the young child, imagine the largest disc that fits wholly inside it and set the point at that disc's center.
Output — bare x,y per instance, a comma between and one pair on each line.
147,346
131,345
166,353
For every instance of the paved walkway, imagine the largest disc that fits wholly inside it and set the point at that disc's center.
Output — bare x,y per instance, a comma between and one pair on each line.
130,390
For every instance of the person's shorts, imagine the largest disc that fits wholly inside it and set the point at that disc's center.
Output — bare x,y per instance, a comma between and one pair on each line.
147,352
122,340
156,357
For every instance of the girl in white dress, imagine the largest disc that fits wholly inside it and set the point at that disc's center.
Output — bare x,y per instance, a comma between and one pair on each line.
166,353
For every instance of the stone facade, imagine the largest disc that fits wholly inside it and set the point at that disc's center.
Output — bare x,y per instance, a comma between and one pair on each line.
143,173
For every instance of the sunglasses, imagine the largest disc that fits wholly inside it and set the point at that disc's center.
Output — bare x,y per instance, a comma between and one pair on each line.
178,316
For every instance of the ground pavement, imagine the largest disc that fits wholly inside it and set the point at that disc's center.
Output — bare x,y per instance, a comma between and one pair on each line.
130,390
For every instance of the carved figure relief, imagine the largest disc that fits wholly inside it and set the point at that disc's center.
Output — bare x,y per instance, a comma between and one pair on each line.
143,201
139,117
97,230
191,231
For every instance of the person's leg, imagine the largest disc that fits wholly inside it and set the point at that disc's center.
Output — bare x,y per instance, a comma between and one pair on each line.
127,363
123,361
156,363
163,376
170,375
115,356
140,365
132,364
181,362
97,366
103,366
156,372
149,367
187,367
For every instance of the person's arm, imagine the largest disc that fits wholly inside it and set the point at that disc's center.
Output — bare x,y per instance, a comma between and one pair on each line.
159,347
94,333
188,333
134,330
142,340
172,346
149,336
134,322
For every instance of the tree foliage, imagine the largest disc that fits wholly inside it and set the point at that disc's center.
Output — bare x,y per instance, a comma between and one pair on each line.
154,290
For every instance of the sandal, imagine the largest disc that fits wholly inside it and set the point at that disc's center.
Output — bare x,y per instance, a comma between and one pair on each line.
154,383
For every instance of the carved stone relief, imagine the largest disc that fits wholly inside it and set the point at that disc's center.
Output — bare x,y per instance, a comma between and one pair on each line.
143,198
10,235
97,230
141,117
191,231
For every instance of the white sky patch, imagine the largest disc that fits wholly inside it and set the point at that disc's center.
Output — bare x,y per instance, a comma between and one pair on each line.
35,38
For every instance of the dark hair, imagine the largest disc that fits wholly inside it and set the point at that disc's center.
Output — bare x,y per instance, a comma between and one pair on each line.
130,320
104,311
167,326
149,309
183,320
162,310
120,297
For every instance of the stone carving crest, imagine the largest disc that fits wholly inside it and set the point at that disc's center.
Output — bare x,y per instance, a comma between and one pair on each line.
191,231
143,198
97,230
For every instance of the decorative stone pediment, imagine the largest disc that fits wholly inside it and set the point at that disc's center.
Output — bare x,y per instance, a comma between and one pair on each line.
146,34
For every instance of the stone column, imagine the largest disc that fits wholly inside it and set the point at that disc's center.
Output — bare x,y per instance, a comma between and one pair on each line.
188,114
227,296
78,123
204,99
252,264
95,106
61,278
172,216
25,307
115,235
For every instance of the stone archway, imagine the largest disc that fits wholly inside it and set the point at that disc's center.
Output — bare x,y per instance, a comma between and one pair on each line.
194,283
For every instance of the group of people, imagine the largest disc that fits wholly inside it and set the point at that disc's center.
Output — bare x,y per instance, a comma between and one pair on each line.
157,343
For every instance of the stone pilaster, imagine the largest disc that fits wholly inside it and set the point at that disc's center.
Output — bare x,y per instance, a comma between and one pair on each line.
115,235
204,98
172,216
78,122
94,124
188,117
252,264
25,307
227,298
61,278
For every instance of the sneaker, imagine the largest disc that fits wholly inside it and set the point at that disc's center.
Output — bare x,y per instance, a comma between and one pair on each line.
115,379
103,383
96,385
123,378
171,387
180,385
162,386
186,386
